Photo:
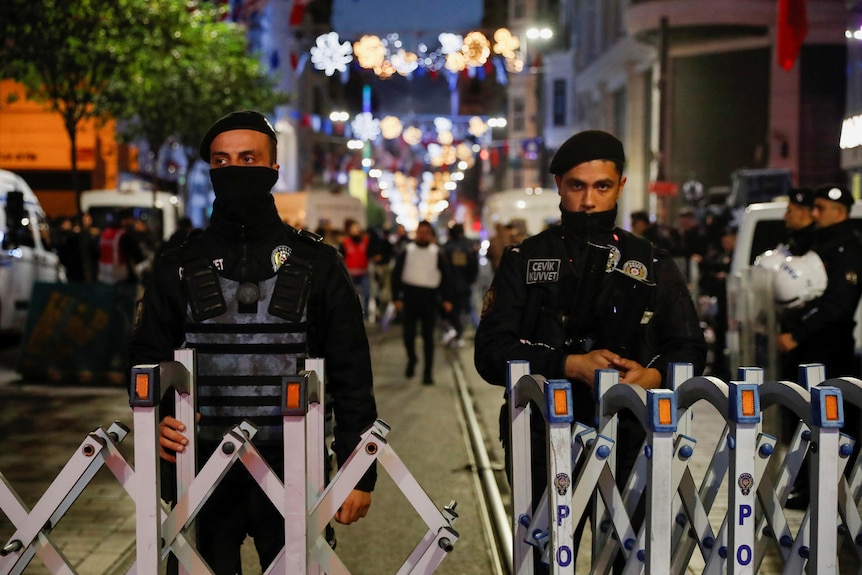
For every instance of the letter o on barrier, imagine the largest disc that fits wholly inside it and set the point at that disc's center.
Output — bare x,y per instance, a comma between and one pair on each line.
564,556
743,555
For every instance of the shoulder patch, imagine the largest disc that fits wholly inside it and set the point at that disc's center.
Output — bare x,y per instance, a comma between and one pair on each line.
310,236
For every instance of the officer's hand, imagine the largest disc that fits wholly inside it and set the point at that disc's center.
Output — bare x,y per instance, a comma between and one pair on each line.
786,342
171,439
354,507
447,306
582,367
633,373
399,305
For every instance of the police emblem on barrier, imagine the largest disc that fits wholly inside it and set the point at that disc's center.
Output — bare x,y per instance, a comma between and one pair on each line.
562,483
746,481
279,256
543,271
635,269
613,258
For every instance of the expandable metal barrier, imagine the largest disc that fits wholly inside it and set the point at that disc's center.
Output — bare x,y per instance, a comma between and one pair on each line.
581,465
307,503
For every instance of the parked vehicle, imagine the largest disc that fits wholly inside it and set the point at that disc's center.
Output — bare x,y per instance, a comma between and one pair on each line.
536,207
308,210
25,254
159,210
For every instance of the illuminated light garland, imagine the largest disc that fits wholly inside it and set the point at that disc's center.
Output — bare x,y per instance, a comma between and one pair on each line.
387,56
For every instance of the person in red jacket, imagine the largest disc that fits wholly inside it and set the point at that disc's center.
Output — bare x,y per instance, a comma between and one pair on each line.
354,248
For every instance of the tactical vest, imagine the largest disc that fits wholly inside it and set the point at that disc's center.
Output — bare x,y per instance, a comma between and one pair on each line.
565,312
243,354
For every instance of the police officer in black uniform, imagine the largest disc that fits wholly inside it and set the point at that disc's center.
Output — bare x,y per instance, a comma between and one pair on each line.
255,297
799,221
822,331
586,295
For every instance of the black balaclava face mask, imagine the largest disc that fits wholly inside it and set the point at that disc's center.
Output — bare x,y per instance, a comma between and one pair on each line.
242,193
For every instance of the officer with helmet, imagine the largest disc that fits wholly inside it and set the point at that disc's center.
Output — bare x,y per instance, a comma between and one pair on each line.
255,298
822,329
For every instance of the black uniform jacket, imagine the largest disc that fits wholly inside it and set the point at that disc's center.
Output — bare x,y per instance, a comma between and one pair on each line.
553,295
824,327
335,326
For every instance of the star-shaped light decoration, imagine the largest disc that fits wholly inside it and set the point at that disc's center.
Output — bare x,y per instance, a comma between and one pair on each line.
477,127
369,51
450,43
390,127
365,126
330,55
412,136
505,44
476,49
404,62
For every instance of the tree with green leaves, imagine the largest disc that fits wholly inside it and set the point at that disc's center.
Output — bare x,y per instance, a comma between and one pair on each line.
199,72
160,67
66,53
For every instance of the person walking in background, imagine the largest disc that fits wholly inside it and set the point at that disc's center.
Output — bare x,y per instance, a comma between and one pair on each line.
120,250
354,248
464,262
420,285
643,226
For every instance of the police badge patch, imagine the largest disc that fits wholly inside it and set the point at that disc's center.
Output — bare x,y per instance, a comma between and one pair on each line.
279,256
635,269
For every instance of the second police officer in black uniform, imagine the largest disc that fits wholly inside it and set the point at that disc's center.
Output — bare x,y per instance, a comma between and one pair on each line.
255,297
586,295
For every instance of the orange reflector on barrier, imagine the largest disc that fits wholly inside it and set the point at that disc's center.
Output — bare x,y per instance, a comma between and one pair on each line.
292,399
831,406
561,406
142,385
665,413
748,403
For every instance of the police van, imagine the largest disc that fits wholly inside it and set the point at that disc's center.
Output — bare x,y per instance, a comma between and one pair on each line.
160,210
752,321
25,251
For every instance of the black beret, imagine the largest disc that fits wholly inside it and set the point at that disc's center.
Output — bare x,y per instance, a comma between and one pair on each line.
838,194
802,197
244,120
584,147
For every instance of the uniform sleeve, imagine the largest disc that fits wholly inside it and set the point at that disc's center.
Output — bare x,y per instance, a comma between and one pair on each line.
158,329
499,338
337,334
675,329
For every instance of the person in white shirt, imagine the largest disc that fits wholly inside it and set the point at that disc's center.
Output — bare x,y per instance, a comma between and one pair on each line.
420,285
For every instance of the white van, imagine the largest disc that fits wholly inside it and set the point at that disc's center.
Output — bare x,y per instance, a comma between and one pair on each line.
25,256
537,207
307,210
752,321
160,210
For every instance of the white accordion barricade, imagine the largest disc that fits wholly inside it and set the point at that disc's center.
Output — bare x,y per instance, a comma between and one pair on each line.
676,521
307,503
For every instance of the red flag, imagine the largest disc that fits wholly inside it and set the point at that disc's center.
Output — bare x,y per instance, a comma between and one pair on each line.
791,30
297,13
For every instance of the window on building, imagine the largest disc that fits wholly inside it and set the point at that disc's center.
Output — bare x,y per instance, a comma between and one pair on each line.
559,102
518,120
519,9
